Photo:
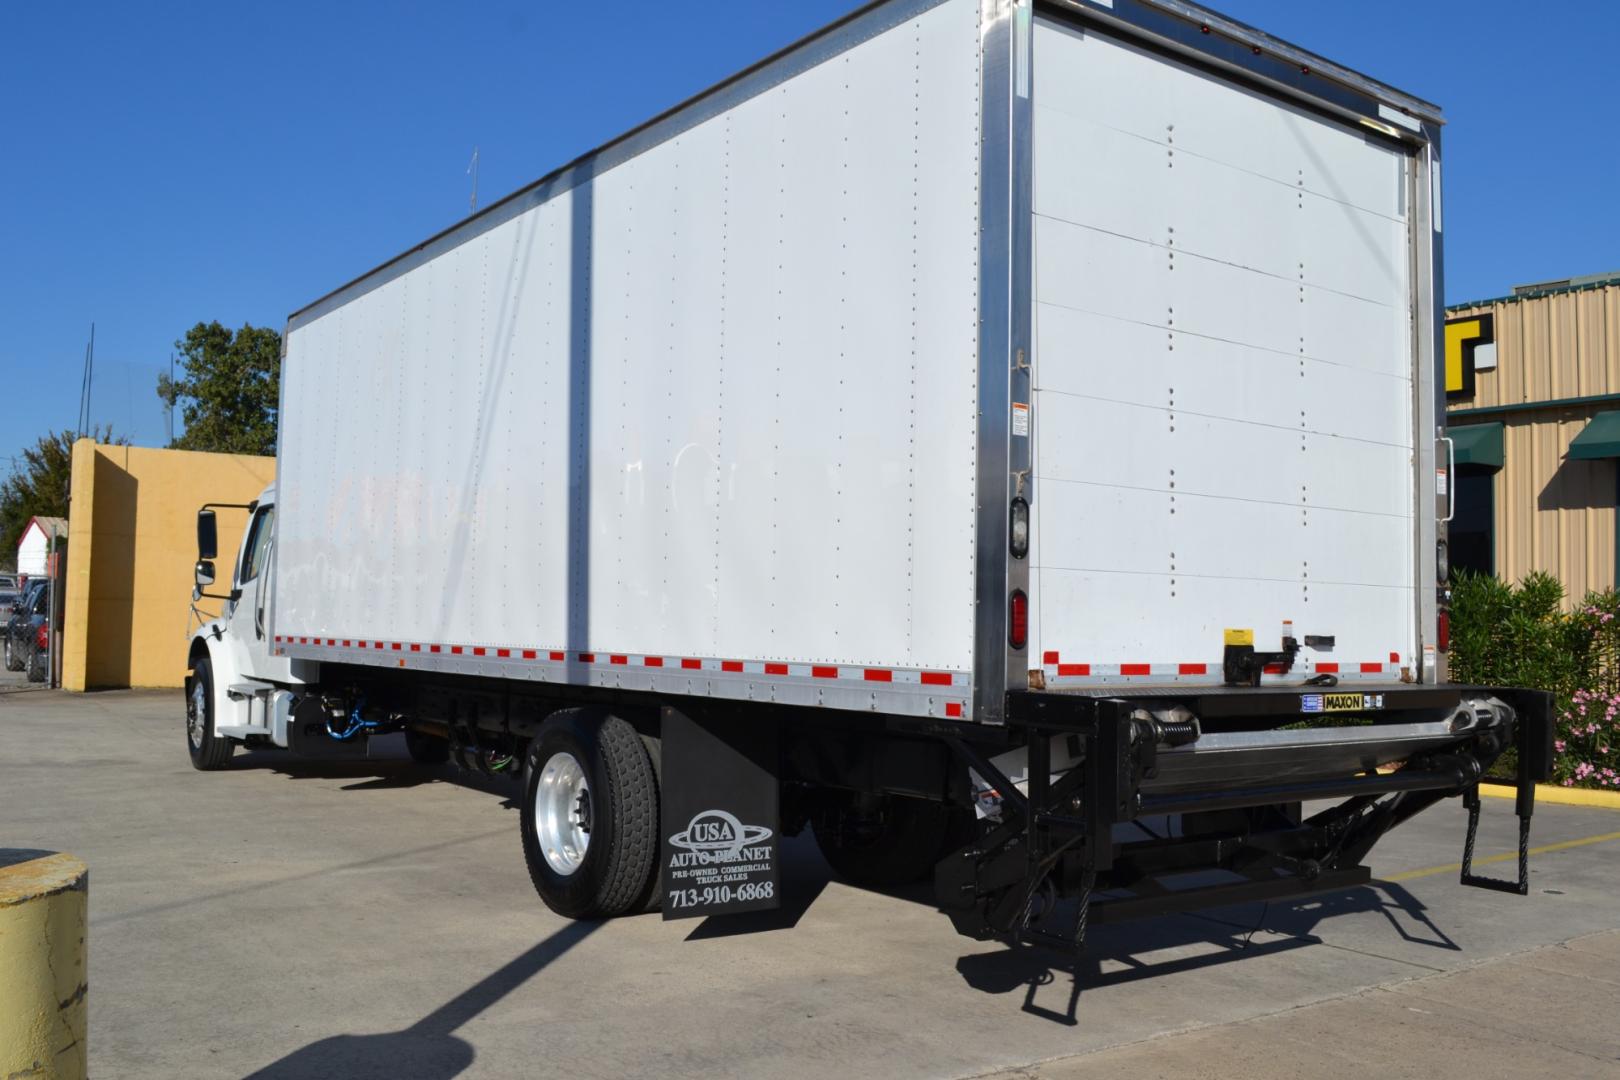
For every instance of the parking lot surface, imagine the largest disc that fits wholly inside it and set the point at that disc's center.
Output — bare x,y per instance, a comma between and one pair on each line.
16,682
302,919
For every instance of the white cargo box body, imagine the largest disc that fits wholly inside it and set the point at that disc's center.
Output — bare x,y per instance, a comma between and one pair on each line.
698,415
738,404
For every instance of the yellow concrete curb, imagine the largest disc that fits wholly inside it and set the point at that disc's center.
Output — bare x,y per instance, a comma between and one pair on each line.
42,964
1558,795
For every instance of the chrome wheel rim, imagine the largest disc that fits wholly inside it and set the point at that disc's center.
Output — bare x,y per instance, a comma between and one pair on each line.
562,813
196,715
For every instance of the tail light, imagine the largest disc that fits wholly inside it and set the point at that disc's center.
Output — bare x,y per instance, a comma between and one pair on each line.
42,636
1443,637
1018,619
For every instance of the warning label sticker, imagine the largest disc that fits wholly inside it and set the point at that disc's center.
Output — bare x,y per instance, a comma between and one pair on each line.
1020,419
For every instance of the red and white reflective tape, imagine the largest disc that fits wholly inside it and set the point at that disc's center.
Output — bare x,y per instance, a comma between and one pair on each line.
871,677
1058,670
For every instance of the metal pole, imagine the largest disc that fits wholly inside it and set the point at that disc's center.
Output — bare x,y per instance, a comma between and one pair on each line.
90,380
168,406
55,566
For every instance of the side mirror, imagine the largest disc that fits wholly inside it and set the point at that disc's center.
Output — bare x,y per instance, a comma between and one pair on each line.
205,573
207,538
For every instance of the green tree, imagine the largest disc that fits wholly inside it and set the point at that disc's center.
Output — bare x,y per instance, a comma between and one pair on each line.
228,389
40,486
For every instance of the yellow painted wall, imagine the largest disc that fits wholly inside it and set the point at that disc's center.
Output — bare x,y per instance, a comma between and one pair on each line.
1551,513
132,542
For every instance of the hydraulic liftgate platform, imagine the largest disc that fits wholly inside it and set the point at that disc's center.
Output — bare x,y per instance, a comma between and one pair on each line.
1214,784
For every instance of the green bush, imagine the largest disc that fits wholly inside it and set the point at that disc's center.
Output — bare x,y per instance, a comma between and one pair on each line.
1506,635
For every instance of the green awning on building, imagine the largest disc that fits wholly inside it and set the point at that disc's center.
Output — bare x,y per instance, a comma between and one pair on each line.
1479,444
1600,439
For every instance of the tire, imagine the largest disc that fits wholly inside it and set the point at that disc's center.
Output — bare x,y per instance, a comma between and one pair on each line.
38,666
14,660
427,749
208,751
652,897
886,842
590,785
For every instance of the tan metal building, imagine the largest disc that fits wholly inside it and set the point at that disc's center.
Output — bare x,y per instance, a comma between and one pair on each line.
1533,404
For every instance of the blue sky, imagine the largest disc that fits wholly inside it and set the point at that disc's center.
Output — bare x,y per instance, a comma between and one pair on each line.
168,163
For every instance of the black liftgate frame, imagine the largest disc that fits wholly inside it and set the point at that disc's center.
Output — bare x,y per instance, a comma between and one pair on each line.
1058,841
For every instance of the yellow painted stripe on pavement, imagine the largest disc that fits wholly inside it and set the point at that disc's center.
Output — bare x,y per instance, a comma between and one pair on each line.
1555,793
1456,868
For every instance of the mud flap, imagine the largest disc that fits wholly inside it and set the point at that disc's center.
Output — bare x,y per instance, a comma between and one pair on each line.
720,807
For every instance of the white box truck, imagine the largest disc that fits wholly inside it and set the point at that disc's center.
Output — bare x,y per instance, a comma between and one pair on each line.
999,436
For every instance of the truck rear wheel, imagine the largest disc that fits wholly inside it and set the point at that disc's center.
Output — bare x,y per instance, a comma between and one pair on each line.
590,815
208,751
885,841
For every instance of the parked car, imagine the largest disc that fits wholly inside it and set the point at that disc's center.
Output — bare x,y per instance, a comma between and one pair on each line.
9,582
39,660
22,627
10,598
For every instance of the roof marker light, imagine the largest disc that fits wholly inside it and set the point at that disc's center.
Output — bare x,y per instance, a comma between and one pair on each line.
1380,127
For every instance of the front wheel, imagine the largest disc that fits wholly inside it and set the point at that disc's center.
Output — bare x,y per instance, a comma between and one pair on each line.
208,751
14,661
590,816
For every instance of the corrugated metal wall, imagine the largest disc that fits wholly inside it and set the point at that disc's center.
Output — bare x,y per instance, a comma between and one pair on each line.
1562,345
1552,514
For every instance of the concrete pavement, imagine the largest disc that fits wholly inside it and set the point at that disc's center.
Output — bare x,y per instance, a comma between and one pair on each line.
16,682
1546,1012
372,919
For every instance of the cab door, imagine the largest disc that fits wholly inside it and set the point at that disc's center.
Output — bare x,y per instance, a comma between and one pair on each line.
247,614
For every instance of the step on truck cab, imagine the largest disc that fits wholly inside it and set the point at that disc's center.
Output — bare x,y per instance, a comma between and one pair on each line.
1000,437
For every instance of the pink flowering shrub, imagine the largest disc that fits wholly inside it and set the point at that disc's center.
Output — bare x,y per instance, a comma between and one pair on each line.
1588,738
1587,749
1505,635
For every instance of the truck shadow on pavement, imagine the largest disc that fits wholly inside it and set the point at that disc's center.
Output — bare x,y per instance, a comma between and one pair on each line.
379,773
1114,954
805,876
429,1049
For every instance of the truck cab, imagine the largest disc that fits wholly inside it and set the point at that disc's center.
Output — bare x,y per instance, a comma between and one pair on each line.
238,690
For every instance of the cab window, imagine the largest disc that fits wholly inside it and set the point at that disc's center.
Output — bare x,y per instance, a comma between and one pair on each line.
258,545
